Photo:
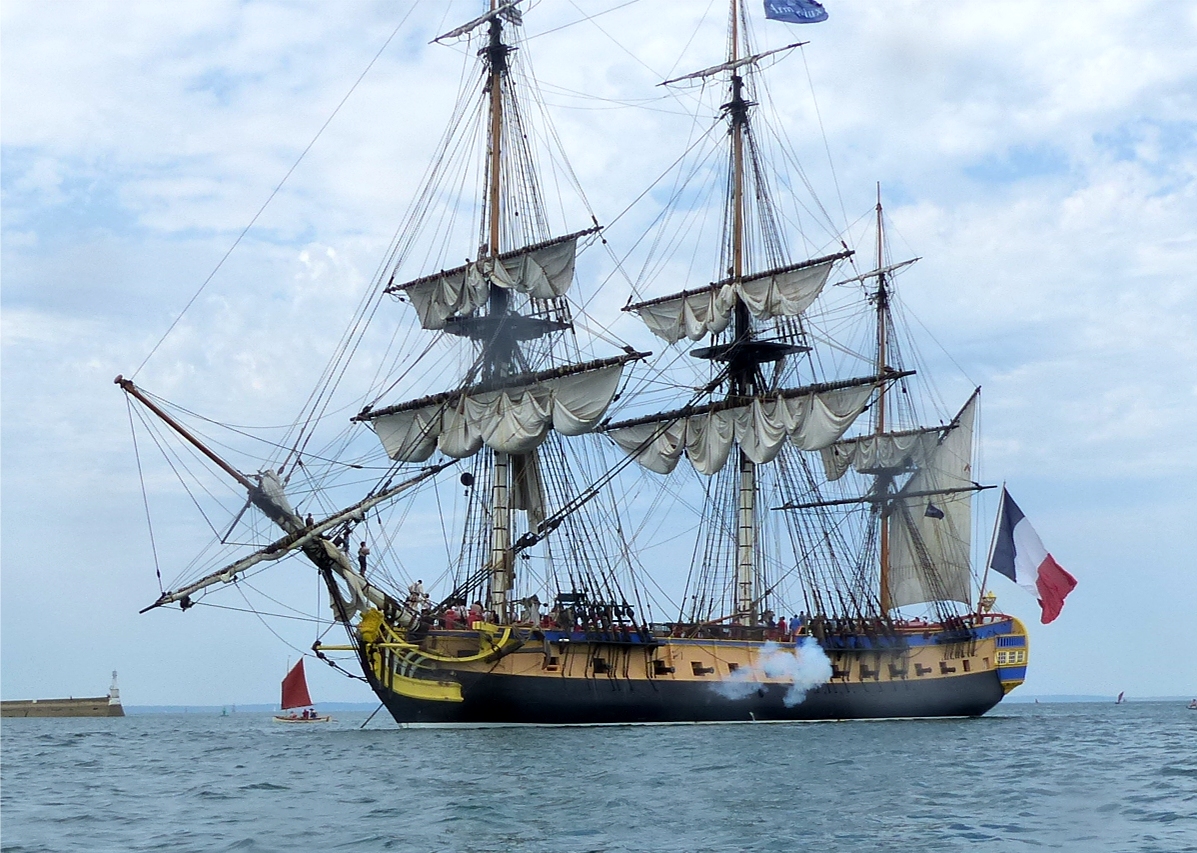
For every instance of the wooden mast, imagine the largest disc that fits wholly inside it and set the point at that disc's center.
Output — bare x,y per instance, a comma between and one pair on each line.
133,391
742,377
739,113
743,353
499,360
497,57
884,482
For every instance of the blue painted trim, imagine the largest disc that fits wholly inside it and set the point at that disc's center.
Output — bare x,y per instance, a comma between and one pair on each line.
994,629
600,638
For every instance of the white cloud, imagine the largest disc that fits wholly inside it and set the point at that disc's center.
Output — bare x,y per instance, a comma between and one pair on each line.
1040,158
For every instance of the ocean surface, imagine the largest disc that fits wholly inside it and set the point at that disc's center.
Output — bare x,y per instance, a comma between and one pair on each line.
1074,777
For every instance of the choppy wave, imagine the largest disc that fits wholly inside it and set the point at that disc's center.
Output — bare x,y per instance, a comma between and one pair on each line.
1088,778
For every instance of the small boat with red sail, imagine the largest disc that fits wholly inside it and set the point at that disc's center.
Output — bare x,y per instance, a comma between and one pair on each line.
296,695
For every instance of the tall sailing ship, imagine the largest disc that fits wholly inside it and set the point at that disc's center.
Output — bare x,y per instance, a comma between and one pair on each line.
831,553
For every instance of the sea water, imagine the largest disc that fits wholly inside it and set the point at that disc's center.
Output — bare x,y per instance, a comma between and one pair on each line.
1072,777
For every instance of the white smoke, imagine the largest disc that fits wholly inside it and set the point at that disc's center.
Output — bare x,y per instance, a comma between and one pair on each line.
804,667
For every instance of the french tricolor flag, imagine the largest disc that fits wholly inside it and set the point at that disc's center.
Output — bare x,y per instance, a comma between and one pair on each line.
1019,555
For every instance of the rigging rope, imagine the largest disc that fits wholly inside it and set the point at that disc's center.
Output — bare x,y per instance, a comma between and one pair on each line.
171,462
265,624
260,614
270,198
145,500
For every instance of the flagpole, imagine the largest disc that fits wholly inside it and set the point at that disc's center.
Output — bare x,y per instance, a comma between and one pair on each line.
992,545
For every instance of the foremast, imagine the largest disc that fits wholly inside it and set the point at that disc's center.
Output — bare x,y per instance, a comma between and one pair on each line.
512,293
498,354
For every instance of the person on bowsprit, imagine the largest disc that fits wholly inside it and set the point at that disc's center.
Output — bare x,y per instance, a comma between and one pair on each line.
362,553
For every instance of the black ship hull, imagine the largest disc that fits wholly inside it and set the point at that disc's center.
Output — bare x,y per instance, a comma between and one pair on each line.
601,700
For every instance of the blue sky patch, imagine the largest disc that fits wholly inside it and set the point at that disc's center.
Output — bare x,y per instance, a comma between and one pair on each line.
219,82
1131,141
1018,163
80,201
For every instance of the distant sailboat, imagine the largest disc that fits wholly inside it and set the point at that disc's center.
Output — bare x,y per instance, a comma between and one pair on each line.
1119,700
295,695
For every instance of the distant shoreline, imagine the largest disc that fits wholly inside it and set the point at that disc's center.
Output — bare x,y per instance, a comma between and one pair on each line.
1066,698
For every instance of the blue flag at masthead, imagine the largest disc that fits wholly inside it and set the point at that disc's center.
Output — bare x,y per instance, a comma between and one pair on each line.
795,11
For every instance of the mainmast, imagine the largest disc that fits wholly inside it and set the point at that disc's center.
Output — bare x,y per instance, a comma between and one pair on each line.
742,374
760,413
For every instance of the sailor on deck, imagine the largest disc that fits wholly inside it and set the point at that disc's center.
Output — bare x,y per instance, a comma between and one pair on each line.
531,612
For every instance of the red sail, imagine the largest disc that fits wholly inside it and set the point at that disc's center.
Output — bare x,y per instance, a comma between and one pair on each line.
295,688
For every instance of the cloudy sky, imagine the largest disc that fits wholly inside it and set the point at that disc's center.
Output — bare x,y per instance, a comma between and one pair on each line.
1040,158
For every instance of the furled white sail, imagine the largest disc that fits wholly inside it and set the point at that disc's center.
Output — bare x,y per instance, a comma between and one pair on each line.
527,488
785,292
274,489
809,422
875,454
931,522
542,272
460,292
690,315
513,419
